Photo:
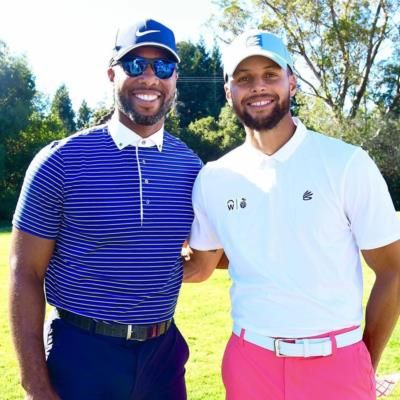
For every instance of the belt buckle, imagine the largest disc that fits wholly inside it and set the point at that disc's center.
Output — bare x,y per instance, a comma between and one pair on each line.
129,332
277,347
133,334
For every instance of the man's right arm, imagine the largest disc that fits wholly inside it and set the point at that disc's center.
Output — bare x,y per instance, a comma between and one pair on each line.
29,258
201,264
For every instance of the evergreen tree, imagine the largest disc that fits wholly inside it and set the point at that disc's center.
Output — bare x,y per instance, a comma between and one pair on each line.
61,107
84,116
17,100
200,83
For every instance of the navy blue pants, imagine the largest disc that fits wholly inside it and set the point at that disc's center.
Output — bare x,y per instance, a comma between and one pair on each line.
87,366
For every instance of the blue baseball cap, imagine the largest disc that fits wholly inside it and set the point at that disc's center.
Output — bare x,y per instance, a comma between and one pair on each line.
144,33
255,43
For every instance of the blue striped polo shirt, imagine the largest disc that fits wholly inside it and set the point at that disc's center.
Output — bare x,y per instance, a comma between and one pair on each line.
119,215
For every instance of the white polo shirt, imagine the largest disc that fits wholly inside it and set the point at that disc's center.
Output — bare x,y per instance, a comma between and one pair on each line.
292,225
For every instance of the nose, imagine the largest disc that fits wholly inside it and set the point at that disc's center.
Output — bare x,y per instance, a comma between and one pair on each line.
148,75
259,85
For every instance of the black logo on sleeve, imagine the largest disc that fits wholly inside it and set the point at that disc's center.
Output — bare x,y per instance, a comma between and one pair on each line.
308,195
235,204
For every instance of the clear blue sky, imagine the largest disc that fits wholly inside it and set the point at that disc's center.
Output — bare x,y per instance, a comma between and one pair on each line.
70,41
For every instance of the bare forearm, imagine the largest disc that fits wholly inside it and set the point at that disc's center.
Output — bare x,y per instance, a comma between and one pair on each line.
192,273
200,265
382,313
27,309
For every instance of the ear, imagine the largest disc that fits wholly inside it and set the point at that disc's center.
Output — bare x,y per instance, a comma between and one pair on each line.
111,74
292,84
228,94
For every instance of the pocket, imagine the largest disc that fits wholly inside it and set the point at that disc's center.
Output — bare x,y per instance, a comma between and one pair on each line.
227,360
49,332
181,342
366,368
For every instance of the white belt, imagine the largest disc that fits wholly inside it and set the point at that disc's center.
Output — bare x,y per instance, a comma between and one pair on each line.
315,347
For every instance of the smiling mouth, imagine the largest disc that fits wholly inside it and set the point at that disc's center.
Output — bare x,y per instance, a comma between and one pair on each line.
147,97
259,103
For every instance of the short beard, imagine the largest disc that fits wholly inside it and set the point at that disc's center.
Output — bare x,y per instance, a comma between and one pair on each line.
125,107
266,123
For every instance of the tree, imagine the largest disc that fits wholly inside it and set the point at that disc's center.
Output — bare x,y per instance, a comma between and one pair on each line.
84,116
17,91
40,131
338,42
234,19
61,107
200,84
385,144
17,100
101,114
211,139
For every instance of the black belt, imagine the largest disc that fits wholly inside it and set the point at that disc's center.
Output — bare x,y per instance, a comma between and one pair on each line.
130,332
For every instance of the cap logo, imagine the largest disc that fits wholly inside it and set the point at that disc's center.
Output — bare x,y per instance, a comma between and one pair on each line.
255,40
138,34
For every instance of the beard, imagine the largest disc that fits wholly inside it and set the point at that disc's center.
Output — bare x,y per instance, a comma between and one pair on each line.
279,111
124,105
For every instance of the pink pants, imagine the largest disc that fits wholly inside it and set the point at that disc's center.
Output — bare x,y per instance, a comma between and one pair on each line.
251,372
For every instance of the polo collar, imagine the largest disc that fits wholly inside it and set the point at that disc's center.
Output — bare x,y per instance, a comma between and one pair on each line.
287,150
124,136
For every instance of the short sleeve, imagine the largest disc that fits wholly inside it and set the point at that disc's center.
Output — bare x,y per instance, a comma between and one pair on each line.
368,204
202,235
39,207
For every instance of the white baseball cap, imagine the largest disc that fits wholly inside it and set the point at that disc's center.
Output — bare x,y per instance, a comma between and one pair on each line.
255,43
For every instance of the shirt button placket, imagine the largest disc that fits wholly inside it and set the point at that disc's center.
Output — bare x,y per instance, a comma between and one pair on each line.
146,181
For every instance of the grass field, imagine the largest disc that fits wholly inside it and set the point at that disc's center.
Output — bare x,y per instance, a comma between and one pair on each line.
203,317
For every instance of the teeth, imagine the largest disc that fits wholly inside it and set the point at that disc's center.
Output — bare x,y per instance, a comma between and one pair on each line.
146,97
261,103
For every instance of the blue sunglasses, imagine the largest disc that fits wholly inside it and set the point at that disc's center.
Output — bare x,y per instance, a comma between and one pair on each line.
163,69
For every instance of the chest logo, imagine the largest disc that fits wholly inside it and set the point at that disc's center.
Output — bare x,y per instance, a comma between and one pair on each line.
308,195
236,204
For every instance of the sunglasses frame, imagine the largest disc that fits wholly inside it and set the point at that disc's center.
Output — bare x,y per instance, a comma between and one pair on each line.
147,61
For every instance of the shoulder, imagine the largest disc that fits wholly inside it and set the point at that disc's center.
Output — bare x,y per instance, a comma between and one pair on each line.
175,145
332,150
56,151
230,160
85,137
339,159
229,165
332,143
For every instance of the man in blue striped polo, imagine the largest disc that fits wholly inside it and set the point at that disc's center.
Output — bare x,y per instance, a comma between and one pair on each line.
98,232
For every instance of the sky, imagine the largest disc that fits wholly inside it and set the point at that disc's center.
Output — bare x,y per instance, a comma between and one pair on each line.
69,41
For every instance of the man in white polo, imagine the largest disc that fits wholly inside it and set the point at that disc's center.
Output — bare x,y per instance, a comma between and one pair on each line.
292,209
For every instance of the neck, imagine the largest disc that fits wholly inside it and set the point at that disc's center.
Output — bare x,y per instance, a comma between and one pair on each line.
269,141
142,130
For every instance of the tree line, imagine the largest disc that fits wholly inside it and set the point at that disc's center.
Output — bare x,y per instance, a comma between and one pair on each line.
347,56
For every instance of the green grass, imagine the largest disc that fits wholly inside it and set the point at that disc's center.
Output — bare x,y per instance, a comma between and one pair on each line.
9,388
203,317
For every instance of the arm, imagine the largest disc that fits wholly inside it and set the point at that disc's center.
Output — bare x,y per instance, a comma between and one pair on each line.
383,307
223,262
201,265
29,258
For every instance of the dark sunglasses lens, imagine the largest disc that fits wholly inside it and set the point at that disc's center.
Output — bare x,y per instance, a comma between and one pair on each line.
134,67
163,69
